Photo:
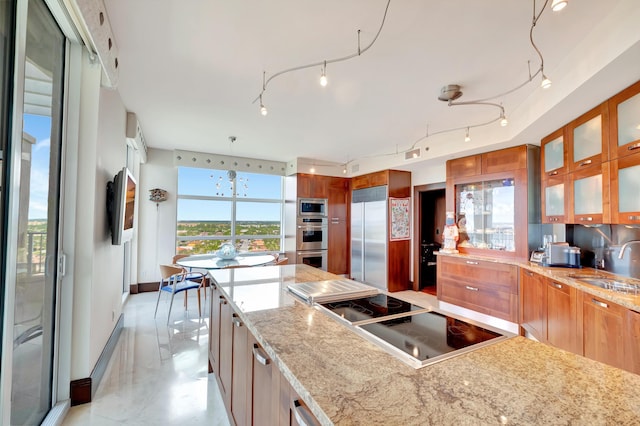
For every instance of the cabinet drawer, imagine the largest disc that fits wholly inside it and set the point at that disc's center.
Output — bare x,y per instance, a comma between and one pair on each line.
488,300
486,274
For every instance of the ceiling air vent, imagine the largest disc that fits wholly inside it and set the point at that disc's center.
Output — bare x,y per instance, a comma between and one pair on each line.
410,155
355,168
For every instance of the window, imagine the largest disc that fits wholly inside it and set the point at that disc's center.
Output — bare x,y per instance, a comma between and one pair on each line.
220,206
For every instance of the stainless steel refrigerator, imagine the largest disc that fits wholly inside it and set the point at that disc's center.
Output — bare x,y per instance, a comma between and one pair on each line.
369,236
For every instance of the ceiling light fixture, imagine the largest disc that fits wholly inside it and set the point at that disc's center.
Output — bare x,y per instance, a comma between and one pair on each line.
504,120
359,52
558,5
466,136
323,76
263,109
545,83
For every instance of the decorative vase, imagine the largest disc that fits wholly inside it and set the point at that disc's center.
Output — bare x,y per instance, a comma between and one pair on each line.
226,251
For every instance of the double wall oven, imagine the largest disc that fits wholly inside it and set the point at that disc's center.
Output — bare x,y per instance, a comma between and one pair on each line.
312,232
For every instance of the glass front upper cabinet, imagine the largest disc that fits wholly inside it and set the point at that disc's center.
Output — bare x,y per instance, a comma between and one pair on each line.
588,138
554,208
590,195
624,114
625,202
485,215
554,154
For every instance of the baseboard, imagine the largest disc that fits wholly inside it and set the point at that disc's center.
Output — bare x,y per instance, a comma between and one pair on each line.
143,287
83,390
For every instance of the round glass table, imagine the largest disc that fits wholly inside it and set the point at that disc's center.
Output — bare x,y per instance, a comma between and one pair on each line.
211,261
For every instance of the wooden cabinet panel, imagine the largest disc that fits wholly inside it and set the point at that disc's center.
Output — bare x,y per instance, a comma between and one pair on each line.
339,239
553,154
588,138
370,179
466,166
625,187
487,287
533,308
264,391
632,341
504,160
603,324
624,134
214,329
240,367
226,351
312,186
561,316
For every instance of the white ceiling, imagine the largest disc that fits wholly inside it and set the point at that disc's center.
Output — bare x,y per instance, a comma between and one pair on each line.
191,69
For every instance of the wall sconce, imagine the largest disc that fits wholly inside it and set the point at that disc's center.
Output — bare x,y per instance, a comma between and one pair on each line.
157,195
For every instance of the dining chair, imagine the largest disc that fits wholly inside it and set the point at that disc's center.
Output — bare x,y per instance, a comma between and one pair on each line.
191,276
282,261
173,280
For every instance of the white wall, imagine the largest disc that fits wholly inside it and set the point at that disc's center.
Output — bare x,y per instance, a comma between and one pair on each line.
156,225
98,265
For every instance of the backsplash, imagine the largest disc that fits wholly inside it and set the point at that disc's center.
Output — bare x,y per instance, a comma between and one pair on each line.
601,244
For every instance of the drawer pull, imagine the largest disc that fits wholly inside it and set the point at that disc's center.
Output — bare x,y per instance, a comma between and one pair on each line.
302,415
585,163
260,355
634,146
586,219
634,217
599,303
468,287
236,321
469,262
528,273
222,300
553,173
558,286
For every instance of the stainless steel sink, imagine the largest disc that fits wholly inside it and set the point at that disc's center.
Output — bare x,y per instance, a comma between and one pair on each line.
612,284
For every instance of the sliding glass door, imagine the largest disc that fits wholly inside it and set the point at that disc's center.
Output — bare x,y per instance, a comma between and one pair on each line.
34,171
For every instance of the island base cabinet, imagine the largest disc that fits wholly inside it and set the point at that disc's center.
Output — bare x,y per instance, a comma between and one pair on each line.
632,342
215,301
226,351
240,372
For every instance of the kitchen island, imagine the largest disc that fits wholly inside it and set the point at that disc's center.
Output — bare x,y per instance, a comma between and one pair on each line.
344,379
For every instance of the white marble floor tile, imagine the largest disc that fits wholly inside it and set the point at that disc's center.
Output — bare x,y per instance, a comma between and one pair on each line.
157,374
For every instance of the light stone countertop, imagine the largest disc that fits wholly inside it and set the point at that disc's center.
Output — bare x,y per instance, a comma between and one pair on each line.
563,275
346,380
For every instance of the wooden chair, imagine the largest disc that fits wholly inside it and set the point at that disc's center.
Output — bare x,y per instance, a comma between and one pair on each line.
282,261
173,280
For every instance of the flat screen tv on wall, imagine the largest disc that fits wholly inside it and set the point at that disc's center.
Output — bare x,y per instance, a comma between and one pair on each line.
121,208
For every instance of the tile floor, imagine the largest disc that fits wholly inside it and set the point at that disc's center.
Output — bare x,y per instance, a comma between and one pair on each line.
157,374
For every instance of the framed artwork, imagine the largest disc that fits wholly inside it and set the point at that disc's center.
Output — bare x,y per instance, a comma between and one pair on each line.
400,219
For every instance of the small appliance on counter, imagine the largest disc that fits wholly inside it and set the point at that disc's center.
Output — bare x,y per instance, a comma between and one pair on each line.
561,254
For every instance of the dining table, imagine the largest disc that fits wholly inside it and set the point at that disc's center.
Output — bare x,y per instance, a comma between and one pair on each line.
212,261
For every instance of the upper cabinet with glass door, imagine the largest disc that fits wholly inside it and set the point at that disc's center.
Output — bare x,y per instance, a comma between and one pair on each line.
554,154
588,138
624,127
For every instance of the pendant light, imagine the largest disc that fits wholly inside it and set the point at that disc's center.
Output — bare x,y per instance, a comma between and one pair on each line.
467,138
558,5
323,76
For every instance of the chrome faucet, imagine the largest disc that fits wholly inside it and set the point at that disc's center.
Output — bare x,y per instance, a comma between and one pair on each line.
624,246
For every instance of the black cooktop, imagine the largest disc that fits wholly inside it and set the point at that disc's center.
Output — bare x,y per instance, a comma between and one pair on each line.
428,335
370,308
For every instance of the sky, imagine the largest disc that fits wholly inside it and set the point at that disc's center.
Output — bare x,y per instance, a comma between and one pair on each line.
215,183
39,127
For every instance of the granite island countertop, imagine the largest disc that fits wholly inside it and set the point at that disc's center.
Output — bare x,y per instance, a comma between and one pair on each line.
346,380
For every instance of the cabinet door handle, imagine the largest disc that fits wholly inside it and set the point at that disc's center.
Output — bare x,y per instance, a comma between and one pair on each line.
634,146
584,163
236,321
468,287
558,286
260,355
586,219
528,273
553,173
599,303
469,262
302,415
222,300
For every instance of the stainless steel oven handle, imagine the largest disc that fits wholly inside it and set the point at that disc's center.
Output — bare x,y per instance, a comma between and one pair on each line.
313,227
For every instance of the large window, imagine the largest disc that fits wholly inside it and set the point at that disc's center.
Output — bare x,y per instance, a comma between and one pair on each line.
220,206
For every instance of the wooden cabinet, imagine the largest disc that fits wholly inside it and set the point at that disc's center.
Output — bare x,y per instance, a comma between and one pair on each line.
465,166
533,306
264,385
215,300
226,351
562,316
483,286
239,369
632,341
506,188
554,200
299,412
553,154
589,195
339,242
604,330
625,187
588,138
312,186
624,133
